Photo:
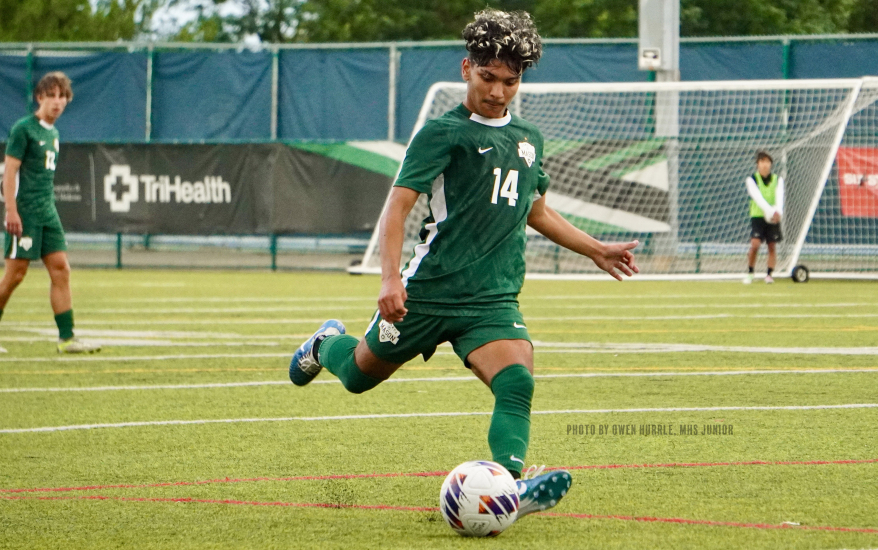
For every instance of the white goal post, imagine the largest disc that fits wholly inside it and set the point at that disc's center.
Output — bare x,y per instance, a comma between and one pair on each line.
665,163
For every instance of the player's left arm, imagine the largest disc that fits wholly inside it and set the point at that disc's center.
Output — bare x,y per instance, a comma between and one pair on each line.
779,198
607,256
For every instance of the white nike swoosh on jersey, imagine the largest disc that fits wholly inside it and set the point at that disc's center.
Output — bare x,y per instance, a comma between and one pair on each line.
483,151
516,325
513,457
42,143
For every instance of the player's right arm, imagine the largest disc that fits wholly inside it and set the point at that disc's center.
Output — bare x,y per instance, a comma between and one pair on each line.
426,157
10,173
391,299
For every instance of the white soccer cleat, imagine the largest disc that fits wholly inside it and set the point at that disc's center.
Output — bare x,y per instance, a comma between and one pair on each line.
748,279
75,345
769,279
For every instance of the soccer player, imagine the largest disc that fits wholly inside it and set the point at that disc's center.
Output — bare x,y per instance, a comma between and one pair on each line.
766,192
33,228
481,169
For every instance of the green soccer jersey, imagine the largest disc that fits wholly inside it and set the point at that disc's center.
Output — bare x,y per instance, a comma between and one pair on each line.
481,177
35,144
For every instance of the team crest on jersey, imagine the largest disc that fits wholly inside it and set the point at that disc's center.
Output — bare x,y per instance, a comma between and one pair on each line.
527,152
26,243
387,332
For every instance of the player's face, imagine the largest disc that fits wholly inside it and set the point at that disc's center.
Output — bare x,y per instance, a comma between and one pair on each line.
52,104
489,88
764,167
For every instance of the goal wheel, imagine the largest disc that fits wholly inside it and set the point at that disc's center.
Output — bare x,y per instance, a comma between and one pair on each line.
800,274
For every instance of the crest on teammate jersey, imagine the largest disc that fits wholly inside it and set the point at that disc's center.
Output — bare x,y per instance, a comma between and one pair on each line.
26,243
527,152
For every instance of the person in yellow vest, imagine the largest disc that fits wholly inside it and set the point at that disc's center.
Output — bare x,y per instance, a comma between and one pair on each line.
766,192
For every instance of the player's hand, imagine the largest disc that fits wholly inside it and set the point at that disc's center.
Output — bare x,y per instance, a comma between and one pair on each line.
775,218
13,223
618,256
391,300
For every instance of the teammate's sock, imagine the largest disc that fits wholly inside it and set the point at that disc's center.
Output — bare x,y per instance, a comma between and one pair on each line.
509,433
336,354
65,324
770,269
751,269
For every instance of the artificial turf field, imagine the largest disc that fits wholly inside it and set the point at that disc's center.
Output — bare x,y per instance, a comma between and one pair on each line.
186,433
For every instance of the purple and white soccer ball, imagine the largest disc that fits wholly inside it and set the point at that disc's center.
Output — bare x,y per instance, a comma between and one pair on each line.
479,499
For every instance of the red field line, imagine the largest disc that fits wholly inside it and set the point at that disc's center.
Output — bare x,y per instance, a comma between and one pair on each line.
710,464
434,474
647,519
222,480
228,501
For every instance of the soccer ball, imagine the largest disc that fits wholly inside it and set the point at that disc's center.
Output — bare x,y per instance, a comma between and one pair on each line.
479,499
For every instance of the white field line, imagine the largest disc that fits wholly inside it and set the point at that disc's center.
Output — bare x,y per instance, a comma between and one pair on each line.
144,343
32,325
540,348
185,321
436,379
373,298
154,333
108,358
332,308
315,322
427,415
50,334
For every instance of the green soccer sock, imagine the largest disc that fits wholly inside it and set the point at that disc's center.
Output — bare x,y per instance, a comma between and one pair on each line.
509,433
336,353
65,324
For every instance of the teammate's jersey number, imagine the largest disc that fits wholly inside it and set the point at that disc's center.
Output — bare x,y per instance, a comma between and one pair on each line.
509,189
50,160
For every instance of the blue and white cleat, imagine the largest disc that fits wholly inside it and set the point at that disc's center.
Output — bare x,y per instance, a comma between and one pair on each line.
304,366
538,492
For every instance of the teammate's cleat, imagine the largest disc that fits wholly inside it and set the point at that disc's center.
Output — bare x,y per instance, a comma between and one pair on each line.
75,345
769,279
2,349
748,279
304,366
541,491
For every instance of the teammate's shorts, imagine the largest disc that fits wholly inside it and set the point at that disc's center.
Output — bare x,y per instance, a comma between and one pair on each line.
37,239
419,334
764,231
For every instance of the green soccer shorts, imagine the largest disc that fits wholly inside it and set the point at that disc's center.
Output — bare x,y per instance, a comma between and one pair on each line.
38,239
420,333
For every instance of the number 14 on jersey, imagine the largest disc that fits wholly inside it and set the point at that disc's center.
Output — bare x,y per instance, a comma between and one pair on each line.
509,190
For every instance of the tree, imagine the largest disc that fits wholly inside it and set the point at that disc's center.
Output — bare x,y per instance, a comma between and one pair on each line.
761,17
67,20
864,16
586,18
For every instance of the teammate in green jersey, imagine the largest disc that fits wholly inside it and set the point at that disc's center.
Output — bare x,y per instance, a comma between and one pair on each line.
481,169
33,228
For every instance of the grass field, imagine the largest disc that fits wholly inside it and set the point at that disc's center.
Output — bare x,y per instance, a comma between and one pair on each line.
186,433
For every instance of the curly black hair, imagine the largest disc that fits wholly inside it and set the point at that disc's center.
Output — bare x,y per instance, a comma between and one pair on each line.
510,37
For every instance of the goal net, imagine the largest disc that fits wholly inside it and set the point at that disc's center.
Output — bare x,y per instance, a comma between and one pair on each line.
665,163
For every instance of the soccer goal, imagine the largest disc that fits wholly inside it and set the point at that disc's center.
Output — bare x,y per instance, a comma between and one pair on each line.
665,163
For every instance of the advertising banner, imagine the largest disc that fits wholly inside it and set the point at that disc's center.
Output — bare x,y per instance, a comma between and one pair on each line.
232,189
858,181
